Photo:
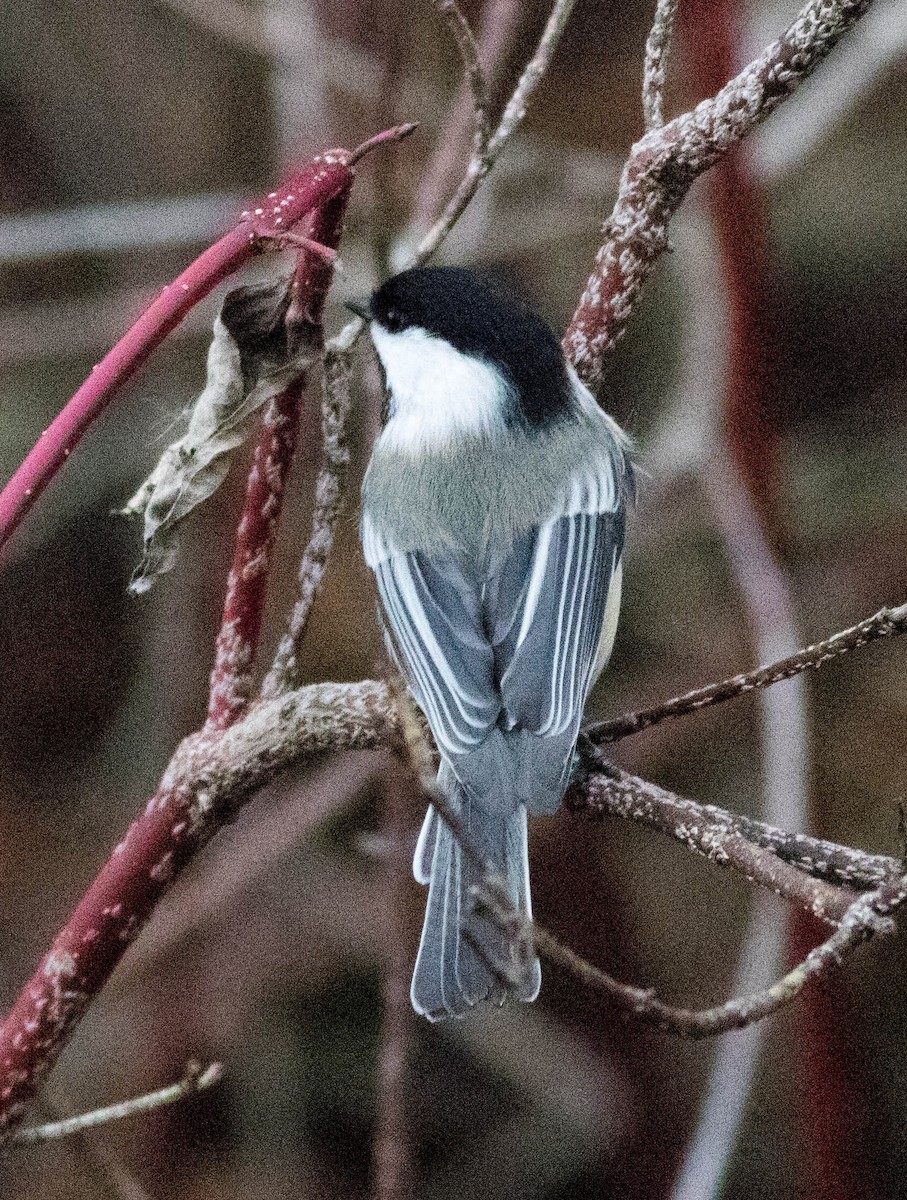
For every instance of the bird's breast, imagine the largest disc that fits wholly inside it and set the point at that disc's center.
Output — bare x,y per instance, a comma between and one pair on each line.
478,495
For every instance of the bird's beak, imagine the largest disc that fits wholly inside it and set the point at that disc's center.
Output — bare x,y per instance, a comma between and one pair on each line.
362,308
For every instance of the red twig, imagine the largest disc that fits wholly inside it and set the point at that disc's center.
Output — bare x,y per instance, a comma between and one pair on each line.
307,189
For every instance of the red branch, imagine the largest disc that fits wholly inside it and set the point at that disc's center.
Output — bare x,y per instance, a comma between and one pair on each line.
237,641
311,187
177,821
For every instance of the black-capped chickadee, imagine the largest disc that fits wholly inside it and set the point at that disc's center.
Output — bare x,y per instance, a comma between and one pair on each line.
493,518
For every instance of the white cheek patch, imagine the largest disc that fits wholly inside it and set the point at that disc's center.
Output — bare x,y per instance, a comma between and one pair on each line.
437,394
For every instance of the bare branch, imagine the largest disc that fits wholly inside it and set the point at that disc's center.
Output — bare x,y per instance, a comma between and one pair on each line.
887,622
867,917
196,1079
329,496
501,20
663,165
658,49
480,165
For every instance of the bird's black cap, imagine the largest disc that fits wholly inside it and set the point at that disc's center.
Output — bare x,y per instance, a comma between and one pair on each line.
455,304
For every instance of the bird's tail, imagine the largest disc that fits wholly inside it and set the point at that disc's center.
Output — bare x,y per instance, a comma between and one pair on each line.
451,974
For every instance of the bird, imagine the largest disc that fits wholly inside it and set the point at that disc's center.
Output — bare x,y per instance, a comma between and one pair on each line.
493,515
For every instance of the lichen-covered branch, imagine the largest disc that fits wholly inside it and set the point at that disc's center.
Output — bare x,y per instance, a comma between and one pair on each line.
658,49
605,790
664,163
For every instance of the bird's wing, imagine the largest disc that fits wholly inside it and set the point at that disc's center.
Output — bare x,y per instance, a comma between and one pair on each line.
552,614
433,623
515,647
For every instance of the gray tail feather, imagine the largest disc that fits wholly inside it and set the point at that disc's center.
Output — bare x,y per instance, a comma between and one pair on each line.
450,976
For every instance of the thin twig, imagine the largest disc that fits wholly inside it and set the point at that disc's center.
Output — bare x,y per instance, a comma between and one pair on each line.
97,1156
887,622
196,1079
501,21
869,916
387,136
658,49
478,168
472,69
329,495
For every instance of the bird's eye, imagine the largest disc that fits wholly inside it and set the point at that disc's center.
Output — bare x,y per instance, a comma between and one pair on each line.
393,320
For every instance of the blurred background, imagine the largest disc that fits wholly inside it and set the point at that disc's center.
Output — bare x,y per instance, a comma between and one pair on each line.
762,376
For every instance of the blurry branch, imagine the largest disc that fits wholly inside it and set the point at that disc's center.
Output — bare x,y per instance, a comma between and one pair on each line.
481,163
196,1079
501,20
279,36
392,1151
876,46
658,49
106,228
329,494
472,69
664,163
724,363
887,622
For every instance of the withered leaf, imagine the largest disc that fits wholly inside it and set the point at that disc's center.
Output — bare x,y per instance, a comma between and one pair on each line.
249,363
